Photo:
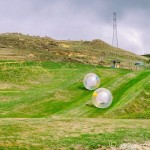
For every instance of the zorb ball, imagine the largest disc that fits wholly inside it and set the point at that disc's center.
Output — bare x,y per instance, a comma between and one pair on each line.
91,81
102,98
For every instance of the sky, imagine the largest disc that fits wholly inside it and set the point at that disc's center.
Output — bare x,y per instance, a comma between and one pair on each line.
80,20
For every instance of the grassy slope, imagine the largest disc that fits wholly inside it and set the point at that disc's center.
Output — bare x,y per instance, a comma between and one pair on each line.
23,47
52,91
55,89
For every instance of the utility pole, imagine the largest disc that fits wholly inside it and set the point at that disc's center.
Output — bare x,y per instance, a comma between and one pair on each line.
115,37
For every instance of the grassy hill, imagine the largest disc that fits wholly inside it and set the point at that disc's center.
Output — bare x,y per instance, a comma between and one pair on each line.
16,46
147,55
48,89
44,105
58,112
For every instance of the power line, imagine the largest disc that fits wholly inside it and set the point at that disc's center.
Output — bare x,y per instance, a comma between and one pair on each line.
115,37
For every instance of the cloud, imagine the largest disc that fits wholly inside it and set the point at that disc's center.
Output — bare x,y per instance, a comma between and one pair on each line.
76,20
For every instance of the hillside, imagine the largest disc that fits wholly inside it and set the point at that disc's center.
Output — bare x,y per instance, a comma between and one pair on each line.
16,46
146,55
47,89
44,105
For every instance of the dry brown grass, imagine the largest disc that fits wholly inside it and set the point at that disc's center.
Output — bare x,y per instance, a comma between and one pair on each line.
24,47
35,132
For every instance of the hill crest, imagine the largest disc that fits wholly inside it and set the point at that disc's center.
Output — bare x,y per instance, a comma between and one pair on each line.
17,46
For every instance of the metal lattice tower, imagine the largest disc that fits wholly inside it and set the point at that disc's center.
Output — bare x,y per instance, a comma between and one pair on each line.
115,37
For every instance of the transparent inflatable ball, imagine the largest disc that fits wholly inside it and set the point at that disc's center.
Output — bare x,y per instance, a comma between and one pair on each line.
102,98
91,81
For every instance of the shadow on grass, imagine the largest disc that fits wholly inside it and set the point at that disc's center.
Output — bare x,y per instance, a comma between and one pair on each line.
90,105
82,88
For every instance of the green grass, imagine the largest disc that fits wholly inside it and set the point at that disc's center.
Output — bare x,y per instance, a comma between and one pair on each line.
47,89
58,112
40,84
96,140
70,134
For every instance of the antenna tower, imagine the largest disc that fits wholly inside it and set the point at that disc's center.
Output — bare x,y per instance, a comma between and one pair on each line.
115,37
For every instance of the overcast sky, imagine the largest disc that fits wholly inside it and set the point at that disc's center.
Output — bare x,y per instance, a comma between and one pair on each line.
80,20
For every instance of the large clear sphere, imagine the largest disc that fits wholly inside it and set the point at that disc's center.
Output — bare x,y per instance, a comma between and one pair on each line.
102,98
91,81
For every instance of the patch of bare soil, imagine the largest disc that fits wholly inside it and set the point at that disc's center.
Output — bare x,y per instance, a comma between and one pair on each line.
128,146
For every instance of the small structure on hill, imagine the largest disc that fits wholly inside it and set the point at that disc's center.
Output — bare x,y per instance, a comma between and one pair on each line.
116,63
139,65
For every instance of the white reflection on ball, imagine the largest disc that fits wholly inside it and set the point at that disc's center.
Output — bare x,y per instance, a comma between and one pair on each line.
102,98
91,81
